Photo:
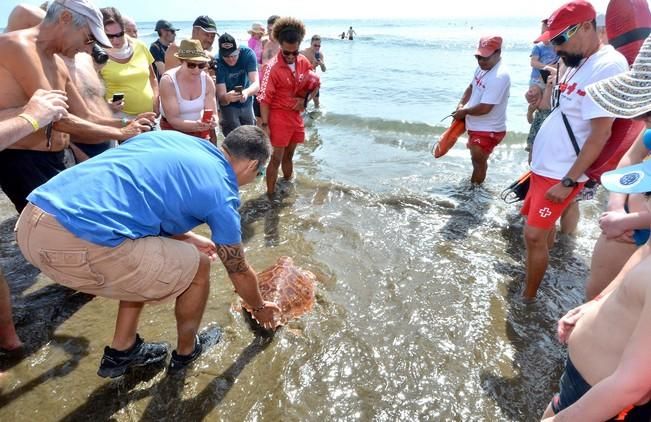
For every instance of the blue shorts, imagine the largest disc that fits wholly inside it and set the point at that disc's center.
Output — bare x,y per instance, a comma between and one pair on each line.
573,386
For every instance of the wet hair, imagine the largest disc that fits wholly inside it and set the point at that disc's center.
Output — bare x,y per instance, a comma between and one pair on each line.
289,30
248,142
112,15
315,38
272,19
54,12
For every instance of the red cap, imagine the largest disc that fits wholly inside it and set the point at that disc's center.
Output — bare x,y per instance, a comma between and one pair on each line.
565,16
488,45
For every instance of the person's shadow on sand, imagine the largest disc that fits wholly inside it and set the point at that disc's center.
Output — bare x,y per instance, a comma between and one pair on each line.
269,210
37,315
166,402
473,202
530,328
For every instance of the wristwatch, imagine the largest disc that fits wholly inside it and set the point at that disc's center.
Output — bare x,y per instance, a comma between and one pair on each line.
568,182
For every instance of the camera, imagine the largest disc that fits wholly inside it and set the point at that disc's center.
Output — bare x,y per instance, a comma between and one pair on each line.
99,55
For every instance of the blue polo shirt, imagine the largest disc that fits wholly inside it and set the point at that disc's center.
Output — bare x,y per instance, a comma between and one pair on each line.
159,183
238,74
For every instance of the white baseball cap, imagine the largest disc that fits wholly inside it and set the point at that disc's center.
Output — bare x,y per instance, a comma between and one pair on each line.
94,16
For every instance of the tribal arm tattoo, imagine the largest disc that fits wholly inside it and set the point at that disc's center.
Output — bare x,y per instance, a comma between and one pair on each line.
232,256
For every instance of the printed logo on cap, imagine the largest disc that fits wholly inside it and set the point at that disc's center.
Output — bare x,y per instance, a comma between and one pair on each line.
227,45
631,179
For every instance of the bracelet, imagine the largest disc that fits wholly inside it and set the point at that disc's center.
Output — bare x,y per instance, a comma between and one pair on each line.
124,121
259,308
31,120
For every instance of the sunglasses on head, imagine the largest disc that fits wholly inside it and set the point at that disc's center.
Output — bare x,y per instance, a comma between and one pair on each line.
118,35
564,36
193,65
290,53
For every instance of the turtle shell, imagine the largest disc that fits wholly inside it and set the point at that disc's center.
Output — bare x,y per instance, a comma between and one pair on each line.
288,286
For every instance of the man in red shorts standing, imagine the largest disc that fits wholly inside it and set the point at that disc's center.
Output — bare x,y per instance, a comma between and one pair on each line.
279,105
558,173
483,105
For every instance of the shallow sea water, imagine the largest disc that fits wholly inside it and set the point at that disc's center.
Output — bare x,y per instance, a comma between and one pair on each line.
417,315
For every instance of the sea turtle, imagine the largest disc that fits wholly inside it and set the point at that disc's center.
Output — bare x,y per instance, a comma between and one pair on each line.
288,286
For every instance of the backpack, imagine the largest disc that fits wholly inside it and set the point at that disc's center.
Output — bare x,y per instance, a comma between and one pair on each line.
623,134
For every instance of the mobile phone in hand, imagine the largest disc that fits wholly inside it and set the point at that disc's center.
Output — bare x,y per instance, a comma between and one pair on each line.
317,56
238,89
207,115
117,97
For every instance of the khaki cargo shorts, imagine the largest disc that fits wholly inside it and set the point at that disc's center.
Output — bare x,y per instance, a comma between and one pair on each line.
149,269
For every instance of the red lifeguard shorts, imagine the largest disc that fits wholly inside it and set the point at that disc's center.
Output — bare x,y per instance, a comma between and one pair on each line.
540,211
286,127
487,141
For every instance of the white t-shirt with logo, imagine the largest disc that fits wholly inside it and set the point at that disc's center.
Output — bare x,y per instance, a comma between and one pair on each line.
553,154
490,87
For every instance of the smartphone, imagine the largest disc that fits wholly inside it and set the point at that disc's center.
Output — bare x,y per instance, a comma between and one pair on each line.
117,97
317,55
207,115
238,89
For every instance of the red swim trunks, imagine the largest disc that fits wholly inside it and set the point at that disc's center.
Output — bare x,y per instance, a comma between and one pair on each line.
286,127
540,211
487,141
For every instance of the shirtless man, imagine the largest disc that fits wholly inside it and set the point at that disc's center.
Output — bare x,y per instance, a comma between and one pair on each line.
15,124
32,62
270,46
84,75
608,370
204,29
315,56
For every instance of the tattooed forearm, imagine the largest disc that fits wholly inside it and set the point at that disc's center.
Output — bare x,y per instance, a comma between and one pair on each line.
232,257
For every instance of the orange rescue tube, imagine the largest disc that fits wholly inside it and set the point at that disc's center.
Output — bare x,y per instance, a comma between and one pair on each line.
449,138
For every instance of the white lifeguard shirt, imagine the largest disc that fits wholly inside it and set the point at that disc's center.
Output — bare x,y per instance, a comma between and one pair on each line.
553,154
490,87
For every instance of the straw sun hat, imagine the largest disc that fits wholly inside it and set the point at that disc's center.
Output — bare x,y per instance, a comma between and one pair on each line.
628,94
191,50
256,28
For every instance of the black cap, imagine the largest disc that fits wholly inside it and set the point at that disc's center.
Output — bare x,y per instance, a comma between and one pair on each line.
227,44
206,23
163,24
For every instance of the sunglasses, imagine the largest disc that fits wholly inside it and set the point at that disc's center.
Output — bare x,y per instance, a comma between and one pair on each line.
482,58
192,65
316,45
563,37
118,35
290,53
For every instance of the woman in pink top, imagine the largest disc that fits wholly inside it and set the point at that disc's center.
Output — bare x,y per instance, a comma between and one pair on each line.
255,42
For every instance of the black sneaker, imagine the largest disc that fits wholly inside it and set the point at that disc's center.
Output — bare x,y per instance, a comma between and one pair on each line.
207,338
115,363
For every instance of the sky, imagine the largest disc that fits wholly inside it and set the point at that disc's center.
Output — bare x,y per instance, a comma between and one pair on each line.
259,10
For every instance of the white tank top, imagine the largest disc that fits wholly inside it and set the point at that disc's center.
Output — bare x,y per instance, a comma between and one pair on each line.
188,109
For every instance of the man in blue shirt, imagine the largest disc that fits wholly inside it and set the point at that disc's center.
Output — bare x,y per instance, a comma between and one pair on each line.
237,82
125,233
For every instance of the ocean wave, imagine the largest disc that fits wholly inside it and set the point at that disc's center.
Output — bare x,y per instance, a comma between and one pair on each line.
377,124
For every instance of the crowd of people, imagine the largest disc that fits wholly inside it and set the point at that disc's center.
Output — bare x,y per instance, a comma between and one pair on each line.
80,81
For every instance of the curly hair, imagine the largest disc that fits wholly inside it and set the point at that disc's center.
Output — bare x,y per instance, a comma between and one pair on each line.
289,30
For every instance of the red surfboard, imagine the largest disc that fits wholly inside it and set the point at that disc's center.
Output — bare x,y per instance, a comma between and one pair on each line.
628,23
449,138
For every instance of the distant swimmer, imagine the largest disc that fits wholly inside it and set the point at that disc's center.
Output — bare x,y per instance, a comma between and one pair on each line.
343,35
351,32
